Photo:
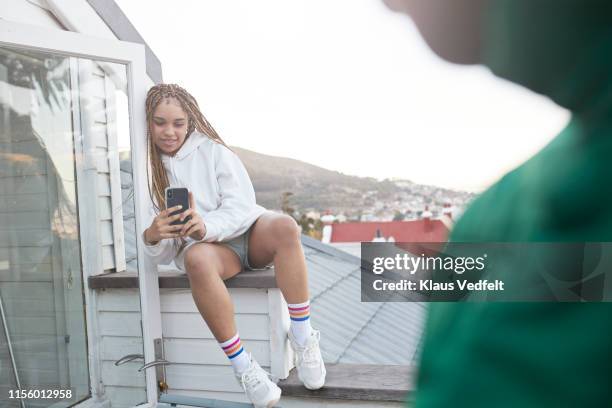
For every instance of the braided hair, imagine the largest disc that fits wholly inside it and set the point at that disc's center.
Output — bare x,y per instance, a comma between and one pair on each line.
158,180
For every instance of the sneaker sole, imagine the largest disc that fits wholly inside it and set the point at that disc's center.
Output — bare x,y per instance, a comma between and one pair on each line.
315,387
312,387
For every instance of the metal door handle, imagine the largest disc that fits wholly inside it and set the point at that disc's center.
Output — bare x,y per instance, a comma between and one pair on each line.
127,358
161,361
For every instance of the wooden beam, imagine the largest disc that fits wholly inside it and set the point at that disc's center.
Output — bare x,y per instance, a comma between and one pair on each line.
357,382
178,280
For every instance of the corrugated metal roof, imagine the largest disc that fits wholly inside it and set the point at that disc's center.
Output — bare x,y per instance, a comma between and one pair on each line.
351,331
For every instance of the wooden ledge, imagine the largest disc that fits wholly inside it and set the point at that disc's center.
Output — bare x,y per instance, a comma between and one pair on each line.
357,382
178,280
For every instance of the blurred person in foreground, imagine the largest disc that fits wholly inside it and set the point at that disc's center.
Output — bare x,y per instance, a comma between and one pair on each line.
529,354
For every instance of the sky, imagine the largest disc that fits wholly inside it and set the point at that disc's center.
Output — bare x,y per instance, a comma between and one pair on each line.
347,85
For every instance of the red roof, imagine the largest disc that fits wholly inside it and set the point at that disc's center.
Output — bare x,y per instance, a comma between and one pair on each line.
402,231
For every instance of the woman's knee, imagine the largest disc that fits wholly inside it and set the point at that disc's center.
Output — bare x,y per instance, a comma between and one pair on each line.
285,229
201,259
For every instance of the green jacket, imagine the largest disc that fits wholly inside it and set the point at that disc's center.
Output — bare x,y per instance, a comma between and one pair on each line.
537,354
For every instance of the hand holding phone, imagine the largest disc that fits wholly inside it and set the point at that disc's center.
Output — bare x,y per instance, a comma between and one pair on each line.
195,227
178,220
161,227
178,196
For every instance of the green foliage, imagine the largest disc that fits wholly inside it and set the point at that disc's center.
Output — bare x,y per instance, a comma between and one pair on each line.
311,227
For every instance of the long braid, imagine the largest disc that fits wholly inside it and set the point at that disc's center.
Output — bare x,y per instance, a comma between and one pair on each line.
158,179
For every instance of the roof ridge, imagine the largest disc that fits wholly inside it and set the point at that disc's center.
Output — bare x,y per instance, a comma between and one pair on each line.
329,250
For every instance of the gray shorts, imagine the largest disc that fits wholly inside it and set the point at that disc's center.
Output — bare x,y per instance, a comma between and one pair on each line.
240,246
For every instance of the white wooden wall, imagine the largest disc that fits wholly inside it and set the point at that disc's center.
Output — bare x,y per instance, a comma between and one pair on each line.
28,12
98,117
202,369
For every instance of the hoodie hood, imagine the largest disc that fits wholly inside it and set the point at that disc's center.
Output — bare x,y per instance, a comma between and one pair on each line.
191,143
558,48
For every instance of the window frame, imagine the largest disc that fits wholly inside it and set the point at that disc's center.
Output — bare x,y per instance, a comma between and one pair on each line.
132,55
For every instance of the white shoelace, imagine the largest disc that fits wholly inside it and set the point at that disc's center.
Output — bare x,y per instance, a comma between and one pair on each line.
310,356
251,380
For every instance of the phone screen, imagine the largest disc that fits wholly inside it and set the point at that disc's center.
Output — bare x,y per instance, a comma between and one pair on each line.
178,196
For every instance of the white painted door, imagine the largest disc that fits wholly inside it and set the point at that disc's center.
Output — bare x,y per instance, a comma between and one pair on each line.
68,103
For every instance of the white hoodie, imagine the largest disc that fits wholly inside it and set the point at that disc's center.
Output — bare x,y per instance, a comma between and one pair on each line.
222,191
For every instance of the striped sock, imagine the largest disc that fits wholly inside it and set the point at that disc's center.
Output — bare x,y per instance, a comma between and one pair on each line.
235,352
300,321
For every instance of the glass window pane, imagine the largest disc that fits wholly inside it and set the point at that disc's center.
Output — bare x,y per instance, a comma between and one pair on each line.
47,102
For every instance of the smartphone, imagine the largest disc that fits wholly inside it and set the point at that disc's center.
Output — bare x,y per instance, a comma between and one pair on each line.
177,196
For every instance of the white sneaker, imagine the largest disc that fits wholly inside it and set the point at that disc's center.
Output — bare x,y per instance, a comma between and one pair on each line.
308,361
260,390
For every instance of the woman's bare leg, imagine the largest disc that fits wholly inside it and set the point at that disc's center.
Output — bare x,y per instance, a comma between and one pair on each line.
276,237
208,265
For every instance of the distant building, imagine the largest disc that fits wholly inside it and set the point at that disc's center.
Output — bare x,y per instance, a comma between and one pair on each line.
315,215
327,221
341,218
348,236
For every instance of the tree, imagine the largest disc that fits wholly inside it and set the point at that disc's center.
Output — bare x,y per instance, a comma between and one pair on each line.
399,216
312,228
286,205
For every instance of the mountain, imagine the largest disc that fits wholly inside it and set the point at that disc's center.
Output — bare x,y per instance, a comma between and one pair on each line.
317,188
